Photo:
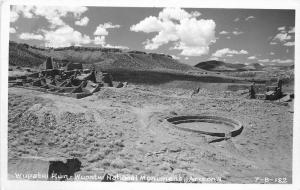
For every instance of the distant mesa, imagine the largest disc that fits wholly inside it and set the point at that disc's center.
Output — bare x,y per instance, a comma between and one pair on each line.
137,52
152,54
24,55
219,66
210,65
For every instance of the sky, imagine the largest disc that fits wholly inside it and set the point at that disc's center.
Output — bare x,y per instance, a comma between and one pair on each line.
188,34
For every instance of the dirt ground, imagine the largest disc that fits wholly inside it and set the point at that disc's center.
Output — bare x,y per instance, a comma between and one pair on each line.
123,131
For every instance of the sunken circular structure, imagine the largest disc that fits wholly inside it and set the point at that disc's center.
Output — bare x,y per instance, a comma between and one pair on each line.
209,125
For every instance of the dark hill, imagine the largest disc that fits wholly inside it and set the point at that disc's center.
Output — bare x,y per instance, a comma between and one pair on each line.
20,55
220,66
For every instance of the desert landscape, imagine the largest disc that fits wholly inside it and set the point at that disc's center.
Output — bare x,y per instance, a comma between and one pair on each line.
150,94
123,131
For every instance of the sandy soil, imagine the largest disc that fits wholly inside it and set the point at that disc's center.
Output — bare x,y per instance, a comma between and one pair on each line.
123,131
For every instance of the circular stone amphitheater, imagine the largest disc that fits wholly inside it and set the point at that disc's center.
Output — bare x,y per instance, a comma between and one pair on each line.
208,125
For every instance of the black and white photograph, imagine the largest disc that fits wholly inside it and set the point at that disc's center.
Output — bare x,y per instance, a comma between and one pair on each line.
150,94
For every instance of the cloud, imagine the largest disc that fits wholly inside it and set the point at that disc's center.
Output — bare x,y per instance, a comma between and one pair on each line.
224,32
101,30
83,22
276,61
213,58
100,35
236,19
252,57
264,60
190,35
228,52
30,36
53,14
195,14
99,40
148,25
59,33
282,28
12,30
237,32
173,13
64,36
14,16
289,44
243,52
186,58
282,61
117,47
284,37
249,18
17,10
292,30
191,50
175,57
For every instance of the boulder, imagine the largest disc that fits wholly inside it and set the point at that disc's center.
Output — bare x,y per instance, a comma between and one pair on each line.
93,87
120,85
286,98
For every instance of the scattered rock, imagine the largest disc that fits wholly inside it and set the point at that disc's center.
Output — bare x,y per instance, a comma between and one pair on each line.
173,113
118,163
165,166
286,98
96,157
175,149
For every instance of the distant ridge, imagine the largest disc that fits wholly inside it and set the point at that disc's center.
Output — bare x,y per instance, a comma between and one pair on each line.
214,65
105,58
